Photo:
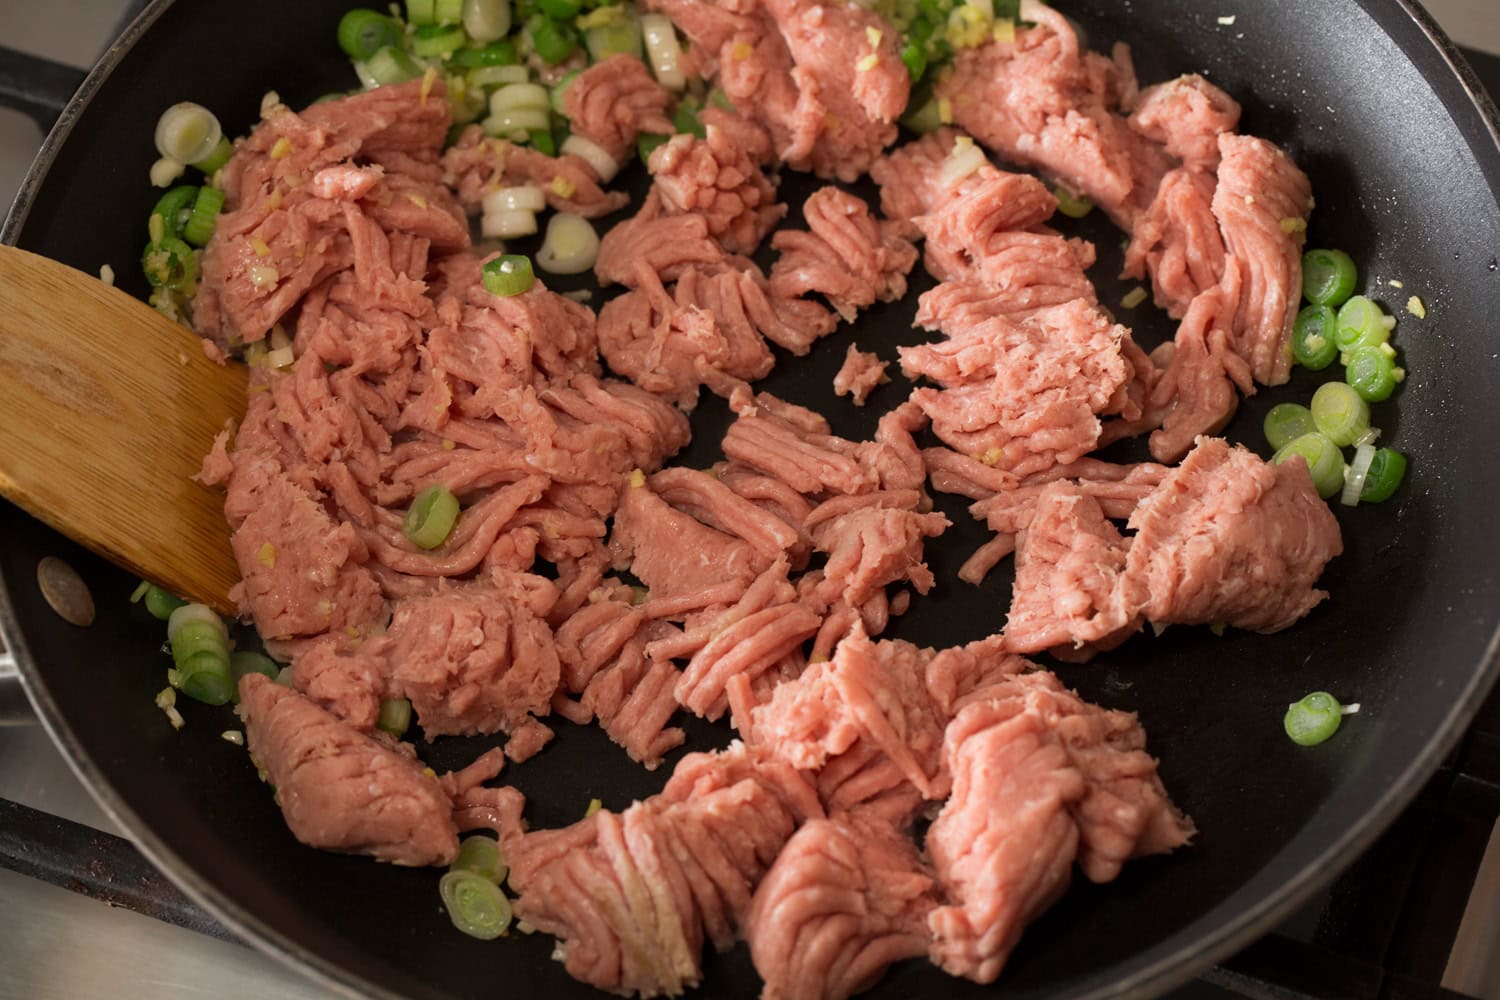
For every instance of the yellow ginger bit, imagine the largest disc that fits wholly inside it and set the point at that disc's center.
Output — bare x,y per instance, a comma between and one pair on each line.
562,187
429,772
156,228
428,79
1291,224
416,199
449,444
594,806
968,26
266,555
740,51
1396,284
274,202
874,35
991,457
945,111
282,149
259,246
1005,32
1133,298
637,478
817,658
1416,307
352,631
868,63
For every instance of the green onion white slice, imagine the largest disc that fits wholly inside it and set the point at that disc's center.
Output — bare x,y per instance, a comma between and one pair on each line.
966,158
519,96
496,76
508,224
663,50
166,170
593,154
486,20
571,245
1359,471
187,132
524,198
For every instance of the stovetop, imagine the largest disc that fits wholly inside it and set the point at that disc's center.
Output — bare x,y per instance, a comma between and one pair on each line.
1416,917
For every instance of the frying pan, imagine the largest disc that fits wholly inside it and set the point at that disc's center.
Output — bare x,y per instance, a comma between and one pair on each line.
1373,102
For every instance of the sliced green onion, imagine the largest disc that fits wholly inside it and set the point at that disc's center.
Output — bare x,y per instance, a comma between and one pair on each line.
1328,277
571,245
1324,461
432,515
284,676
1373,373
170,263
686,121
139,592
481,855
560,10
175,207
1359,471
205,677
508,224
433,40
247,662
620,35
498,53
1313,719
517,124
541,140
487,20
215,160
520,97
1312,338
664,51
1387,469
925,117
187,132
200,650
914,55
560,90
475,904
448,11
1340,413
1286,423
363,32
525,198
391,65
1074,206
647,144
595,155
496,76
192,614
509,274
1362,323
204,217
394,717
420,12
554,42
160,603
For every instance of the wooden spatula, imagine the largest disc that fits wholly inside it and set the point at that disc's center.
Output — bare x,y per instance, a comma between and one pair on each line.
106,410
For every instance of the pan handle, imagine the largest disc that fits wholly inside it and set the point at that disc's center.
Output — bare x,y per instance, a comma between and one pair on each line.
15,709
36,87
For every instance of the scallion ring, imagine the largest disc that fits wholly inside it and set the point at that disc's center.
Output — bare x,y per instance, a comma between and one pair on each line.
481,855
475,904
431,517
1339,412
487,20
571,245
1358,474
508,275
394,717
1324,461
363,32
187,132
1313,719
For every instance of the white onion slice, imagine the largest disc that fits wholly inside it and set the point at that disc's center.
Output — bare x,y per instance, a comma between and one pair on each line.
507,225
663,50
1370,436
190,614
966,158
516,96
525,198
187,132
514,123
593,154
571,245
486,20
1359,471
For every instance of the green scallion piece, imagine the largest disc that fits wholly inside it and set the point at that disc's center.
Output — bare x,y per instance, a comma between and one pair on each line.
1313,719
648,143
621,36
1286,423
204,216
481,855
448,11
914,55
247,662
1324,461
1312,338
475,904
170,263
923,117
686,121
552,41
560,10
542,141
160,604
509,274
200,651
419,12
363,32
175,207
431,517
1340,413
1328,277
215,160
560,90
1362,323
1074,206
1387,469
501,53
394,717
1373,373
392,65
433,40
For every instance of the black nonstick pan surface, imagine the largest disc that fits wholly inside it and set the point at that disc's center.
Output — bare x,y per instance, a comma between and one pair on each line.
1369,99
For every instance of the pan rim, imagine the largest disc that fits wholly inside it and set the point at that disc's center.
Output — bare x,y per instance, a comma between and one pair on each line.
1184,954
